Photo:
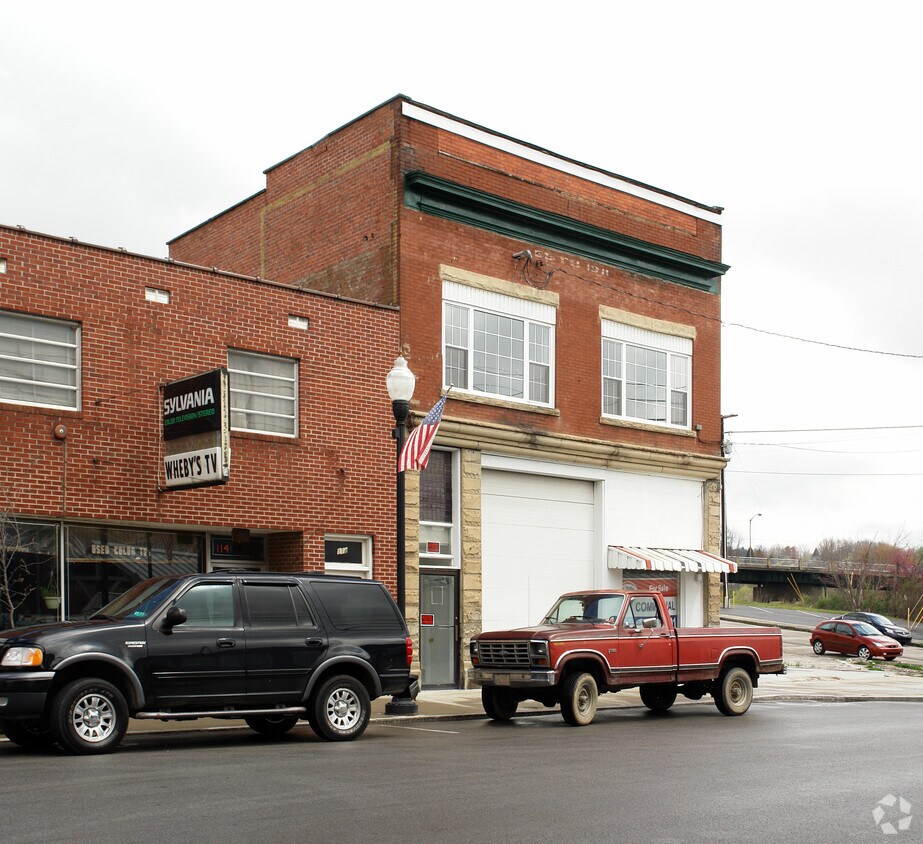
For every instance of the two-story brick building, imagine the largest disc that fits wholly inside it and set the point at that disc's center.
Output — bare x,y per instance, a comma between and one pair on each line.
576,316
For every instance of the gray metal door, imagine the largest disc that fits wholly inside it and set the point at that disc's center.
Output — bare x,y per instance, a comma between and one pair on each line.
438,624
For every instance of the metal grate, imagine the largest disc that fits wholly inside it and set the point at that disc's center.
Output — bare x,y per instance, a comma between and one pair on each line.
504,653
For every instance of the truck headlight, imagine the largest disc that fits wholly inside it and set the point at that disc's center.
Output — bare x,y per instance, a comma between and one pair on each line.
538,653
22,657
475,653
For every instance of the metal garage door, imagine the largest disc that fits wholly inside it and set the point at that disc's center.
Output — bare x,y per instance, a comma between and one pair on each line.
538,541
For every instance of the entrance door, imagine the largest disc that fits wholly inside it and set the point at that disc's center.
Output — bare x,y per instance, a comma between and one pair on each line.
438,624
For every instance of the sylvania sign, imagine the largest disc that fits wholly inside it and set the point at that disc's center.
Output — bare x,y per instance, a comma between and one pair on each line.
195,431
192,406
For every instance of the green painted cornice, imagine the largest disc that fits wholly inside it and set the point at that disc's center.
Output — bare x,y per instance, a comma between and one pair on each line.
472,207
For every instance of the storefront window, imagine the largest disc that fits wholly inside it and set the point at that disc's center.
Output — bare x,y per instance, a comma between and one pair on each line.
29,592
103,562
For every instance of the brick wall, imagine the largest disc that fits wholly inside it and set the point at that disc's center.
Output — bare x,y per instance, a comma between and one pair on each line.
326,221
336,476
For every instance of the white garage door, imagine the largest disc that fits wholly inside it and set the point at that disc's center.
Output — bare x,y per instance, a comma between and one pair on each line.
538,541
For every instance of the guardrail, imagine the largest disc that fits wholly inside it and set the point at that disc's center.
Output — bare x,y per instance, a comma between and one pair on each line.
815,566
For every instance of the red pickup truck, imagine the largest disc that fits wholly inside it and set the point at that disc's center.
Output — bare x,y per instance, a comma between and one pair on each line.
606,641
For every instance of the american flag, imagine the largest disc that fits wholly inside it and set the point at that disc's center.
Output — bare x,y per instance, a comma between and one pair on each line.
415,453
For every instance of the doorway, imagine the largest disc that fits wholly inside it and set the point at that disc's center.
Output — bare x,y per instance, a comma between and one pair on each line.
439,630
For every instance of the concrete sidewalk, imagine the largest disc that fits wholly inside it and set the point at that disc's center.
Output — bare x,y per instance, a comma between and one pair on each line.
842,683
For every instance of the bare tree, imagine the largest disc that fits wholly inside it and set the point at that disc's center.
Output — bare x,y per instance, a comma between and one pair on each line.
861,570
15,584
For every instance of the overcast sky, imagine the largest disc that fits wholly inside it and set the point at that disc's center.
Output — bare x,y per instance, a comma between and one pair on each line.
125,124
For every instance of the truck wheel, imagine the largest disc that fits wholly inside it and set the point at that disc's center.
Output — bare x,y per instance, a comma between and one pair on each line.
89,716
340,709
735,692
818,647
658,697
31,735
271,726
578,699
499,704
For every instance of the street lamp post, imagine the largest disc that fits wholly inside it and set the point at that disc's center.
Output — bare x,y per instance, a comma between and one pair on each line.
400,382
750,546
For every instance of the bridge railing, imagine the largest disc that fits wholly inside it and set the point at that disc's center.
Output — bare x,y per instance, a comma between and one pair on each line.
815,566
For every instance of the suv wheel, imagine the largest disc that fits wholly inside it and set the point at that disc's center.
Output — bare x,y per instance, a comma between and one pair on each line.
89,716
31,735
340,709
271,726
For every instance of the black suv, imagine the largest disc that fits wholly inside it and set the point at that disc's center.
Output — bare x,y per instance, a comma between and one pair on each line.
269,648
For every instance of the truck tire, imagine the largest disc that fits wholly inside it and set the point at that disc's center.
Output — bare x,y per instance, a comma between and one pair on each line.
578,699
340,709
30,735
658,697
499,704
89,716
271,726
735,692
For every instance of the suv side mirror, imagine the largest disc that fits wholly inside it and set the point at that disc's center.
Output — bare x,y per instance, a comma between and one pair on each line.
175,615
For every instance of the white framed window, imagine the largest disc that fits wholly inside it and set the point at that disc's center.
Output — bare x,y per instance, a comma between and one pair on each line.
39,361
264,393
439,513
498,345
345,554
646,375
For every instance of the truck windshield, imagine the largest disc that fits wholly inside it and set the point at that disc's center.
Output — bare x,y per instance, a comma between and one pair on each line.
572,609
139,601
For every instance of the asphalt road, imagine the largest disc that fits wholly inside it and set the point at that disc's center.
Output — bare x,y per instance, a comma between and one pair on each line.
796,772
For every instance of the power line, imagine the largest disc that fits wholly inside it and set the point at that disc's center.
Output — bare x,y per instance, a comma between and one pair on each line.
827,430
831,474
721,322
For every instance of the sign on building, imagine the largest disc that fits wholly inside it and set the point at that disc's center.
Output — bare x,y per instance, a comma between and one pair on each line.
196,431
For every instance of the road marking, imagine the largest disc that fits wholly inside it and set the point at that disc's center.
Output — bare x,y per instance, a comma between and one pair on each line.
419,729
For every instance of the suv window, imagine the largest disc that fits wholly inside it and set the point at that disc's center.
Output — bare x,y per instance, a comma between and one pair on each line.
208,605
276,605
358,605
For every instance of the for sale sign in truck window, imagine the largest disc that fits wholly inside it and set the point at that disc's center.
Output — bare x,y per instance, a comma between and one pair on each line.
666,584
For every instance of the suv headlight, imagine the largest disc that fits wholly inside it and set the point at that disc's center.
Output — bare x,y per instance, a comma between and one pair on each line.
22,657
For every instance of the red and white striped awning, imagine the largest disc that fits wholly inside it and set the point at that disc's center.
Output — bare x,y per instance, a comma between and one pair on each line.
667,559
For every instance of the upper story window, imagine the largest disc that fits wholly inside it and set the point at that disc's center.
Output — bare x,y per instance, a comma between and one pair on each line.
646,375
39,361
264,393
438,510
498,345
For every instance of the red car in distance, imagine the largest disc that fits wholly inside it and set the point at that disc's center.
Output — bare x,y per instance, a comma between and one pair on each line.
854,637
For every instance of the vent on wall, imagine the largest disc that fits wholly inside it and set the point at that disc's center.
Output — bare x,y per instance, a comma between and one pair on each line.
153,294
298,322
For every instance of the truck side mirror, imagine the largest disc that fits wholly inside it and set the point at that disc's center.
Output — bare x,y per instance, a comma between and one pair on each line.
650,623
175,615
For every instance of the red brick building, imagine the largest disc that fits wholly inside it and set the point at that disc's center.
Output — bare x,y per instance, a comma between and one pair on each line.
88,338
575,313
